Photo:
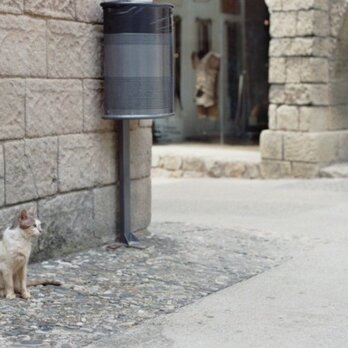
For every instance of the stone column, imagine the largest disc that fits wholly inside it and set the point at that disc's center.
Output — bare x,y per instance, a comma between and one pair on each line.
301,137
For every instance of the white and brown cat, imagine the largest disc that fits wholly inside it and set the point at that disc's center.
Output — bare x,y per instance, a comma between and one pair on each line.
15,249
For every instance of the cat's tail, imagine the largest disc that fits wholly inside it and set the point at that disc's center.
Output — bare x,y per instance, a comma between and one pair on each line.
36,282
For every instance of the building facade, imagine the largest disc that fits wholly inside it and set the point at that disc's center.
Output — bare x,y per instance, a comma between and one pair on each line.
306,126
56,152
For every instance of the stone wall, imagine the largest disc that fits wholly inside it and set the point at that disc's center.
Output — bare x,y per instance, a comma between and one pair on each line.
56,152
308,125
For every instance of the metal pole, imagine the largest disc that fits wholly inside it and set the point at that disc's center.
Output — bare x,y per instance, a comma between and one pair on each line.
126,235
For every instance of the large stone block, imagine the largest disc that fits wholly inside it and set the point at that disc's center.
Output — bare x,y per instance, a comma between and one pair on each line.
53,107
315,70
140,149
141,204
105,213
302,46
277,94
283,24
69,224
338,119
12,103
11,6
74,49
272,117
93,107
275,169
295,5
313,22
310,147
306,94
271,143
305,170
314,119
51,8
86,160
288,118
277,70
89,11
31,169
343,146
23,46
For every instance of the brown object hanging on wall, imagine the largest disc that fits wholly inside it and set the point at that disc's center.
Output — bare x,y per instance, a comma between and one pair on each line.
230,7
207,74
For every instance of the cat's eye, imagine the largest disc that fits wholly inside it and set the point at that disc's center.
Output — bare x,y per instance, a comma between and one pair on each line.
35,225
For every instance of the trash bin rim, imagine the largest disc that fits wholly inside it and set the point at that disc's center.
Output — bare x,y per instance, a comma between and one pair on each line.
119,4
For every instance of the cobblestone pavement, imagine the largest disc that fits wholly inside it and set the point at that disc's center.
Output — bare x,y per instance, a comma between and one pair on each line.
106,291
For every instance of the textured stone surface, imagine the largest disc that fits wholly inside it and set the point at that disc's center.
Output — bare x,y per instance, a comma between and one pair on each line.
53,107
140,149
343,146
338,170
277,70
288,118
275,169
305,170
306,94
301,46
105,291
89,11
22,39
141,204
312,70
271,143
310,147
314,119
313,23
12,103
51,8
74,49
283,24
105,213
193,164
145,123
2,175
11,6
86,160
93,107
31,169
69,224
171,162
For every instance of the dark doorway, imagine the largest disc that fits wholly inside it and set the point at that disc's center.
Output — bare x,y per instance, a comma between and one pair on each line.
248,87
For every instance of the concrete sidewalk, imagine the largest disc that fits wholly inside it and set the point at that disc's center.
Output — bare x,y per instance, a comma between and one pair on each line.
301,303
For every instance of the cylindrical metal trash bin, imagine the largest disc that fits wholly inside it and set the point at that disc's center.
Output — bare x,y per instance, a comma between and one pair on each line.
138,60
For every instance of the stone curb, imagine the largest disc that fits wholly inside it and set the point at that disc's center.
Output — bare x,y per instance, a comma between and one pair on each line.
189,167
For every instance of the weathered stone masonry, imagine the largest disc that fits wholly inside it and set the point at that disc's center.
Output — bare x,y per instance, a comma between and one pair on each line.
56,152
308,127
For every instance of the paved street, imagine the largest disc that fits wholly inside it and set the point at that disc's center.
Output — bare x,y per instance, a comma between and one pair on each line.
227,263
301,303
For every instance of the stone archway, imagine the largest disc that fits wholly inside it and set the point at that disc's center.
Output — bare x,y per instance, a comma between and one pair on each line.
307,126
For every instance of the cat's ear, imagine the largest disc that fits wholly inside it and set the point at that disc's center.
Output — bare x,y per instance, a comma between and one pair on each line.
32,211
23,215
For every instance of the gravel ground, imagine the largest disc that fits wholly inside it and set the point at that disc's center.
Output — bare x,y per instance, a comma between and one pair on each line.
109,290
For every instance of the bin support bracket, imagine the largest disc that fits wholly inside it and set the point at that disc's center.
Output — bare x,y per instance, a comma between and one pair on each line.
126,235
